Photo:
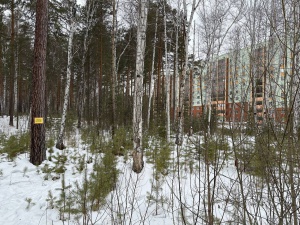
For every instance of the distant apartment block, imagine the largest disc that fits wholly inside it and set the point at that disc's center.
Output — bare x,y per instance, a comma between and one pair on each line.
243,84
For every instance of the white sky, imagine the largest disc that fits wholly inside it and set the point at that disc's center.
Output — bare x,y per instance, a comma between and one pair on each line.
81,2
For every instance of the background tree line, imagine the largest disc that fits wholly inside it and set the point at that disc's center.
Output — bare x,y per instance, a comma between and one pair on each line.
17,35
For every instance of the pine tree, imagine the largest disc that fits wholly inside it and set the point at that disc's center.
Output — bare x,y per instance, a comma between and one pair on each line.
38,149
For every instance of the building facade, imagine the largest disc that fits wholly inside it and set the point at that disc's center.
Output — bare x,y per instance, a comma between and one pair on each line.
244,84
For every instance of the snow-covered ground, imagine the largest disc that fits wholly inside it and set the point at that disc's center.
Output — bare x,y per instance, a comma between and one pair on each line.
179,192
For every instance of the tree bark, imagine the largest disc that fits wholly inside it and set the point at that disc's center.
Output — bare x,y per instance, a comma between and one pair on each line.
100,78
59,144
177,78
2,96
167,75
114,69
138,162
88,23
38,149
187,27
151,88
12,66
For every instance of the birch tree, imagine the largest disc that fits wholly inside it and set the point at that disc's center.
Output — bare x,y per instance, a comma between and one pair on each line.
176,72
138,162
59,143
213,15
151,85
187,23
91,7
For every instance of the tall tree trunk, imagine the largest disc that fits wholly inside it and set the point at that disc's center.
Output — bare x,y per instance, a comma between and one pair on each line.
81,84
58,95
59,144
151,88
127,107
12,65
100,80
38,148
114,69
71,101
2,106
16,67
167,75
187,27
138,162
158,81
88,23
176,83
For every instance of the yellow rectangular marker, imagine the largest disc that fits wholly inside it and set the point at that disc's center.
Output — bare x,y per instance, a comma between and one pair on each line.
38,120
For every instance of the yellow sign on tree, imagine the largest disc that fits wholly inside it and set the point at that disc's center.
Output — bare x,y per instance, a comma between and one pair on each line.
38,120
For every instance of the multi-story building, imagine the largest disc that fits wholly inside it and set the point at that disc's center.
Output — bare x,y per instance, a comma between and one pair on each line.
243,84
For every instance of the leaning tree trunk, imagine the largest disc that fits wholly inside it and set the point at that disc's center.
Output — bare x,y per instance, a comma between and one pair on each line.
38,148
138,162
151,88
59,144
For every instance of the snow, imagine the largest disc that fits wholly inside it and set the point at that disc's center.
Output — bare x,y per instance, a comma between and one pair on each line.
24,189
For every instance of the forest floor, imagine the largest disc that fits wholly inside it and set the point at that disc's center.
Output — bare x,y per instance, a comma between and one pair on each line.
161,194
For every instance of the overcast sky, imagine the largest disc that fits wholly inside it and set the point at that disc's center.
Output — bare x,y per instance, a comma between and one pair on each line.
81,2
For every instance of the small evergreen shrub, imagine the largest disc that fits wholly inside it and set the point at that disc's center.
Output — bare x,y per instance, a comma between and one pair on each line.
160,156
15,145
50,143
122,142
59,160
212,147
102,179
51,200
90,194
